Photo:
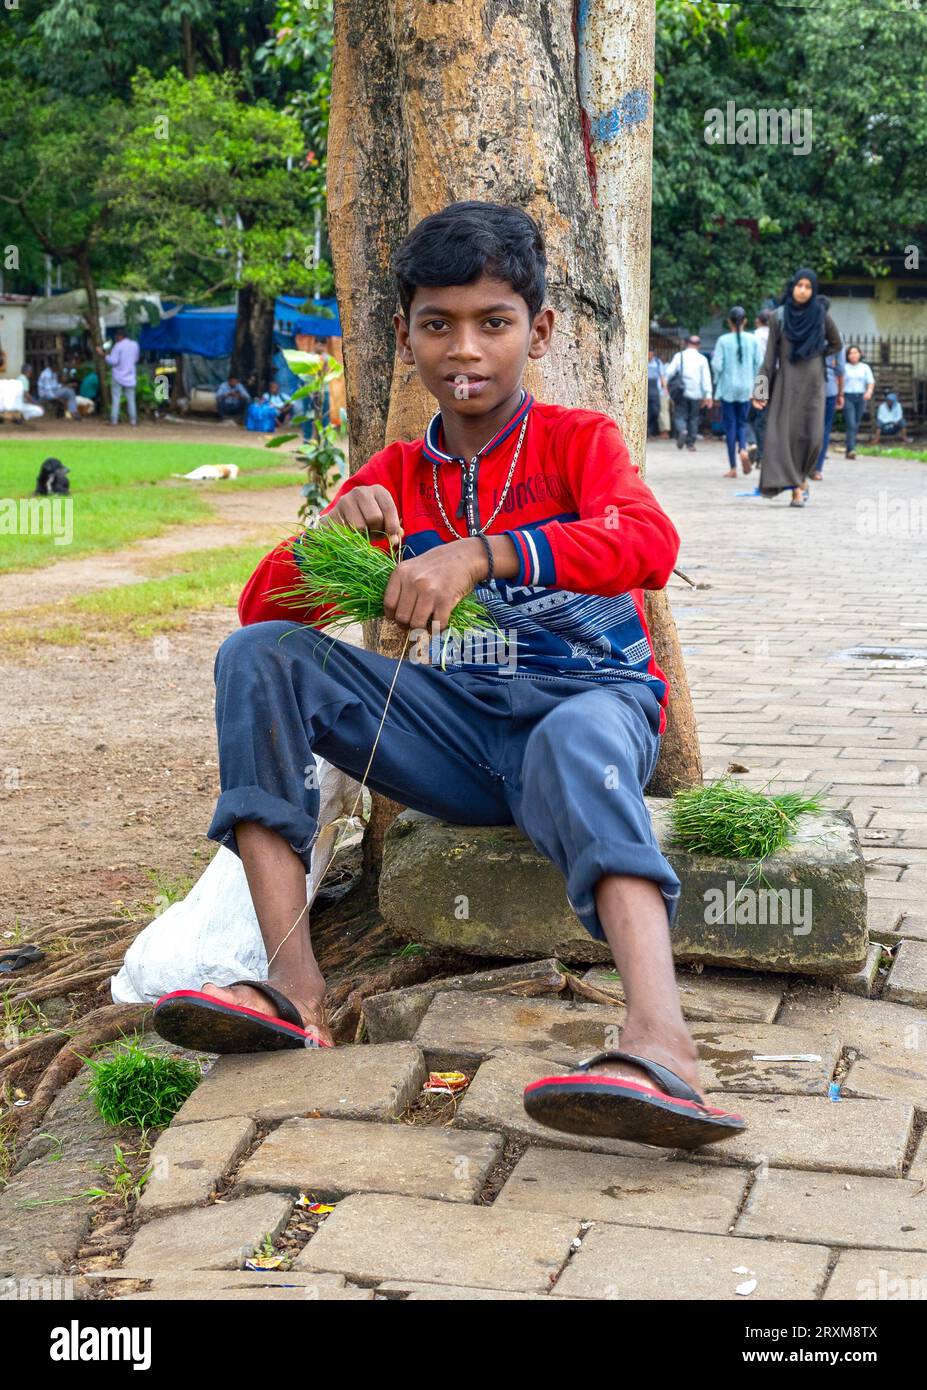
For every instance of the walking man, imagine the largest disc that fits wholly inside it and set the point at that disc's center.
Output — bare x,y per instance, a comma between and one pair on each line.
123,359
689,369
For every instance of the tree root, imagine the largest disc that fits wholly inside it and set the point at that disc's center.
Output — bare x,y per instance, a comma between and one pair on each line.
94,1030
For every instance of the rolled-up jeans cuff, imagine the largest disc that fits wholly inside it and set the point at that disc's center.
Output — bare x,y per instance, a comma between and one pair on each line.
294,823
635,860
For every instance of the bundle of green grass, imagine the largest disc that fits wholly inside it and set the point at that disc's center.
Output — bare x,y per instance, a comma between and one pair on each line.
339,566
731,821
140,1088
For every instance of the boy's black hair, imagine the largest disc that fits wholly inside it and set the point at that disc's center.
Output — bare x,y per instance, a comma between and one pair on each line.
466,240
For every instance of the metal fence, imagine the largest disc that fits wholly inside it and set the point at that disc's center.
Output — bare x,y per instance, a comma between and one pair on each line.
899,363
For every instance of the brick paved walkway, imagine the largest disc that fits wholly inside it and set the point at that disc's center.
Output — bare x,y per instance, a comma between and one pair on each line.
820,1199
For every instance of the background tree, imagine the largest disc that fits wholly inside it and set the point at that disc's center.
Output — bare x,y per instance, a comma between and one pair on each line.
212,191
732,222
51,193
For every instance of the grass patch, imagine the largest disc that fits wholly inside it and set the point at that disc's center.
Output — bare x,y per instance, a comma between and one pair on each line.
196,580
733,822
918,455
139,1088
123,491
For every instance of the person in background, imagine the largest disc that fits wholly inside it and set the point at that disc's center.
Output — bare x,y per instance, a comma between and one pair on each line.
790,387
890,420
123,360
858,386
89,389
51,389
232,398
761,329
834,367
735,363
656,387
280,402
689,369
25,379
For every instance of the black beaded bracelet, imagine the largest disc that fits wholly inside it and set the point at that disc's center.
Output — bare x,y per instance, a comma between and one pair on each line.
492,566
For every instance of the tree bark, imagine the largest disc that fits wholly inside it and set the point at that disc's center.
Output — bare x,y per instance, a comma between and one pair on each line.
252,351
93,327
504,107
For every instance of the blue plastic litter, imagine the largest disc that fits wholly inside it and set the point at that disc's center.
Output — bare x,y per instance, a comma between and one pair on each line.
833,1090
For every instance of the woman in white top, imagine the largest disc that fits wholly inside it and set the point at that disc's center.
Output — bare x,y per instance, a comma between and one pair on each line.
858,386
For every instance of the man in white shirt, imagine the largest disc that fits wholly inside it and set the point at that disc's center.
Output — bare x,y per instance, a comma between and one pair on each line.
122,359
51,389
761,331
890,420
13,400
689,379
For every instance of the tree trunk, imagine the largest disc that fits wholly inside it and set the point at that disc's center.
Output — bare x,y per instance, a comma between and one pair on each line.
615,65
421,117
188,47
252,351
93,326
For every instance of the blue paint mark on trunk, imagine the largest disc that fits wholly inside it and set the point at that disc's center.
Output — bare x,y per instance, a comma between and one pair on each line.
632,110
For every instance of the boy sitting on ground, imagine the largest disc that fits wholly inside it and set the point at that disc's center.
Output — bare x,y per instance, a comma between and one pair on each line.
538,509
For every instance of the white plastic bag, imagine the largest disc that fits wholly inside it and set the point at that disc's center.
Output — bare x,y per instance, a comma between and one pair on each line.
213,934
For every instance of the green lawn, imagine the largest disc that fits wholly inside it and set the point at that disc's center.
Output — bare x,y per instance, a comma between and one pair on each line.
122,491
882,452
178,584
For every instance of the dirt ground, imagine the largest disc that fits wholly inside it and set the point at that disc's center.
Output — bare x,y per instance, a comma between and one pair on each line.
107,753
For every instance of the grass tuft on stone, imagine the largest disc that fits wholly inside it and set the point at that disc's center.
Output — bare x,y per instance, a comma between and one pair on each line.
339,566
140,1088
733,822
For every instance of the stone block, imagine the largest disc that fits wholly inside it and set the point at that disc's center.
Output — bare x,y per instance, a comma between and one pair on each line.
711,996
520,908
372,1237
189,1160
358,1083
870,1137
907,979
836,1209
222,1236
629,1262
630,1191
332,1158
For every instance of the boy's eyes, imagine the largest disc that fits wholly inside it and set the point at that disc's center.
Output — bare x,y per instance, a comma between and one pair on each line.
496,321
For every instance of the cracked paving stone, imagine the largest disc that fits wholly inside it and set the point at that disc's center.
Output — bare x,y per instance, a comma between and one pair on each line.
836,1209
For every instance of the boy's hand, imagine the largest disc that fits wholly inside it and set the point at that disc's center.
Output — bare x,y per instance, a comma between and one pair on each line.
367,509
423,591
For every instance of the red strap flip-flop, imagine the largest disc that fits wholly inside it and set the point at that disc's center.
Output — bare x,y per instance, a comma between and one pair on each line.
669,1114
203,1023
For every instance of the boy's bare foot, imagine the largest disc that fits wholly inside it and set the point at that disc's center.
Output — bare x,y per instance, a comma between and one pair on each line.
678,1054
310,1003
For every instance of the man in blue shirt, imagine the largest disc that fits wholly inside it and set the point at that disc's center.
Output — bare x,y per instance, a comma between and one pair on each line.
231,398
834,364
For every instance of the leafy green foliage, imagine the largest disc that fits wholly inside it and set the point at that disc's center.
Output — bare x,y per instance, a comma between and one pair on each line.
853,202
139,1088
732,821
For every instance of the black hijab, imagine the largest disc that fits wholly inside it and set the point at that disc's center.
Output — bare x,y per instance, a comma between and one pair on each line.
803,324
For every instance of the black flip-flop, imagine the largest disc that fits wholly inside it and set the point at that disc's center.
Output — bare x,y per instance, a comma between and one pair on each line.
669,1114
203,1023
17,956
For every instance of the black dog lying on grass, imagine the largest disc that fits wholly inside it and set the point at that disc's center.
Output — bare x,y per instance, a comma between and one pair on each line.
53,477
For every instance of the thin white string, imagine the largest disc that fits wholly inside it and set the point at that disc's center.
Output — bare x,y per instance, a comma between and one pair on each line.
360,793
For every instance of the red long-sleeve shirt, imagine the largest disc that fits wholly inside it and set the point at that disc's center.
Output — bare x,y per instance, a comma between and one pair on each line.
589,534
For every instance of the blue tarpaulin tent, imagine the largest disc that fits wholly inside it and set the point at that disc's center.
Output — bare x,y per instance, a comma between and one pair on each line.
211,332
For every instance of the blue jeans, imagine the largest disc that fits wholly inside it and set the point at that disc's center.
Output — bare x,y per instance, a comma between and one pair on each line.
565,763
853,406
830,407
734,421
